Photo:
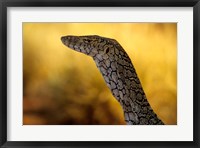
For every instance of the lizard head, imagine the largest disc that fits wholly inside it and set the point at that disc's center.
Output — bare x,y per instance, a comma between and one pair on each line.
91,45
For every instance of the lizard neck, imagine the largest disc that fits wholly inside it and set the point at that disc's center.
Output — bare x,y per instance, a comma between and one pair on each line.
121,78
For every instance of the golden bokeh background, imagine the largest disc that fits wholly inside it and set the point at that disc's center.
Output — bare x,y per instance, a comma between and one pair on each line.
62,86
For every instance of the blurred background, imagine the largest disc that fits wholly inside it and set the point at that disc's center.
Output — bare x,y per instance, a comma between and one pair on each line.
64,87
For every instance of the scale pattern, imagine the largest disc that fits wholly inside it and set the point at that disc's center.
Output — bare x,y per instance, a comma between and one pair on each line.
119,75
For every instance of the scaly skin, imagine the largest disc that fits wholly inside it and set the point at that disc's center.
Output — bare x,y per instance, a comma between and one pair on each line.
119,75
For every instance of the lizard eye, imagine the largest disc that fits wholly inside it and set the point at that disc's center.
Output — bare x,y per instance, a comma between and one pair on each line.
86,40
107,50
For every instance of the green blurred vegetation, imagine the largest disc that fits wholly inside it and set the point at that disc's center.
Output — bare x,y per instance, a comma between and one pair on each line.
61,86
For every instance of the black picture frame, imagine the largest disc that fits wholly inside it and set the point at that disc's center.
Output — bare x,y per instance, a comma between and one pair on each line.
4,4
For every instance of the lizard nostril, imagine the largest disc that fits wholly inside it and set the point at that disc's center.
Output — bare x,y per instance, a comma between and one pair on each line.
65,40
62,38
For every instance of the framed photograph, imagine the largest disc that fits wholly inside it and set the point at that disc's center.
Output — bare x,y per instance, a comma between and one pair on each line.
99,73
